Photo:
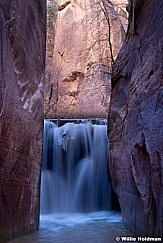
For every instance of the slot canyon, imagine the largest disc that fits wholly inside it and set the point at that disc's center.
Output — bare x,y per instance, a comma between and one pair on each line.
81,131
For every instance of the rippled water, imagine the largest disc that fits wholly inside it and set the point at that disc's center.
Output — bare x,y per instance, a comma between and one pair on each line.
97,227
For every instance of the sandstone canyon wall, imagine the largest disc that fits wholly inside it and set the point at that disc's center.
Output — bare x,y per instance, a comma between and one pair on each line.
88,37
22,50
135,127
52,10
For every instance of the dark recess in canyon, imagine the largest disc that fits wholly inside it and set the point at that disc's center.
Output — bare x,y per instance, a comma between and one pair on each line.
135,127
22,50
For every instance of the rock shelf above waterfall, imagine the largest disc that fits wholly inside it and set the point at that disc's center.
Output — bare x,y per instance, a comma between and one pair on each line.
60,122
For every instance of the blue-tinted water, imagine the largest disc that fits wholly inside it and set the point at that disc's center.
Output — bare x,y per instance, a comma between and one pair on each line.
74,172
96,227
74,180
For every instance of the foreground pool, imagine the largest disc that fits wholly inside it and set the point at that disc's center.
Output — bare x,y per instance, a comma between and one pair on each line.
97,227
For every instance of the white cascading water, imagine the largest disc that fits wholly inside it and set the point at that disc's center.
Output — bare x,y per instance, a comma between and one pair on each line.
74,171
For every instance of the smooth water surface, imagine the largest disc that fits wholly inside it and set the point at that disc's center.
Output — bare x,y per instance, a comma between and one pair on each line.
96,227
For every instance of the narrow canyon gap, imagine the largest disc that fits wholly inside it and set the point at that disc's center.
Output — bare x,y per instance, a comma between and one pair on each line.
22,50
88,36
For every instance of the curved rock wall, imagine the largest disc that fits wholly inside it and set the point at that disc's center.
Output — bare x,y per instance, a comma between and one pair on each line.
22,50
135,121
84,49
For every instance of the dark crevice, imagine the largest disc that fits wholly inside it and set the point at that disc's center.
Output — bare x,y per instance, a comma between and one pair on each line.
51,92
150,74
63,6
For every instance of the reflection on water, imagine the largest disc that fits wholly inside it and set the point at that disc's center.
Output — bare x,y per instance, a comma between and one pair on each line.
97,227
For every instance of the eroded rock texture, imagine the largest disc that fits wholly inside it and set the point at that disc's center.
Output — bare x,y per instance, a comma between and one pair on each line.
52,9
22,50
89,34
135,127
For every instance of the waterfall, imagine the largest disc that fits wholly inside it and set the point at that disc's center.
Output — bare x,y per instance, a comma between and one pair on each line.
74,168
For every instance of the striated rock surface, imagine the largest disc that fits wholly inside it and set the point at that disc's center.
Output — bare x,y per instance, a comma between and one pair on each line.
22,50
52,9
89,34
135,127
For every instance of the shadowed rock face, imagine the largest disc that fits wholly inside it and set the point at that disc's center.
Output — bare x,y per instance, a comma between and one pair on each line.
22,50
84,49
135,128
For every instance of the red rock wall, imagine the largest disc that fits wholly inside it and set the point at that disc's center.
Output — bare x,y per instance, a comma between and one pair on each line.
79,82
22,50
135,121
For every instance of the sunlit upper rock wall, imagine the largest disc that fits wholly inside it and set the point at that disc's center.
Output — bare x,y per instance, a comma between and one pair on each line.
84,50
22,50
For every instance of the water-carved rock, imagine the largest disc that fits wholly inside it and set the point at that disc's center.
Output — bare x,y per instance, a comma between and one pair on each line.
135,121
22,50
